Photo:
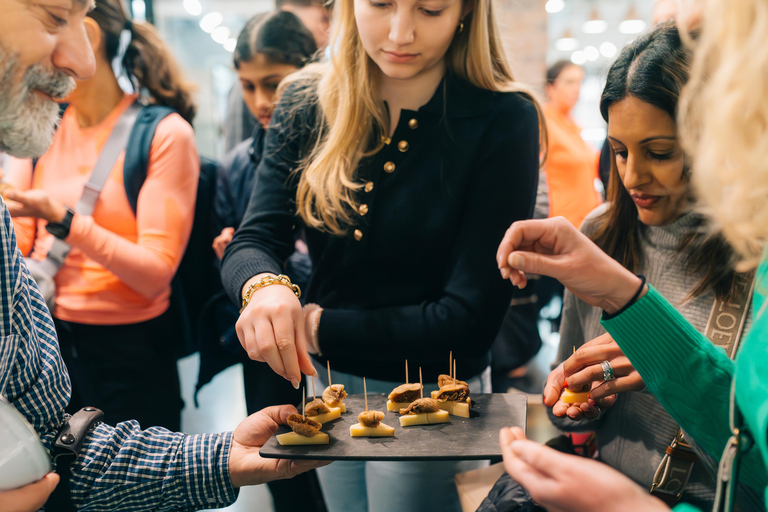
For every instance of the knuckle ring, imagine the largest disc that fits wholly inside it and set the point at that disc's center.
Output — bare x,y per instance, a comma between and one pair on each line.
607,371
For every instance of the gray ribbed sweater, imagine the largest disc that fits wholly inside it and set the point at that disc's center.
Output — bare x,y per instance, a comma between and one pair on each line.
635,432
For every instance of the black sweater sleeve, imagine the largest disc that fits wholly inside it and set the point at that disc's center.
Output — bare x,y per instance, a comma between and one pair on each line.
467,316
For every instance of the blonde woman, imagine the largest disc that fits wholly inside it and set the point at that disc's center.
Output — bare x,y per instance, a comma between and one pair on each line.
403,158
723,119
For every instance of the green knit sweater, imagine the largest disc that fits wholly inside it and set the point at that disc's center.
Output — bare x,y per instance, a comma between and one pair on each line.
692,378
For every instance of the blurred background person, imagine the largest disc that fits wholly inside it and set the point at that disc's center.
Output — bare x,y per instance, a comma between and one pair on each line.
316,17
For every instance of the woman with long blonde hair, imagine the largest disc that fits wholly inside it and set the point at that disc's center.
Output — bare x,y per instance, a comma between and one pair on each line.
723,114
404,158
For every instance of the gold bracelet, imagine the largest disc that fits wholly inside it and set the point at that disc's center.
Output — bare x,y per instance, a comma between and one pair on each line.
266,281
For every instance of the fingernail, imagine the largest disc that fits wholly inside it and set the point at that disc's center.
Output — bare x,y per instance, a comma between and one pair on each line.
517,261
505,273
294,382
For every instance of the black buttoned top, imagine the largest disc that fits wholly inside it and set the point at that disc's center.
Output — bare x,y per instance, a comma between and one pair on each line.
416,276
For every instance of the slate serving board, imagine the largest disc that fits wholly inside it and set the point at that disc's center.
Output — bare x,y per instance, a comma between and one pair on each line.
475,438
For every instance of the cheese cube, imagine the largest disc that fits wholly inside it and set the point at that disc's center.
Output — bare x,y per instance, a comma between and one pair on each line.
455,408
328,416
292,438
435,393
396,406
574,397
427,418
382,430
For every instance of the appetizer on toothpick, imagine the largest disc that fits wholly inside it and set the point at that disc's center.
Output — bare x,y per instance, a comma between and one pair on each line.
305,430
334,394
453,396
402,396
369,422
319,411
575,396
424,411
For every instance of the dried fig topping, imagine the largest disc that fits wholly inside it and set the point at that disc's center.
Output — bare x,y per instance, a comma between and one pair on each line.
444,380
316,407
421,406
454,393
370,418
333,395
303,426
405,393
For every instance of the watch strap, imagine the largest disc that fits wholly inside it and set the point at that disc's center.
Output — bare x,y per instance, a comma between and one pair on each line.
66,448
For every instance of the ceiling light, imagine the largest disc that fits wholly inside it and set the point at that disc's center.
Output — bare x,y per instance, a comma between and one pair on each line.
591,53
210,21
632,24
608,49
230,44
554,6
220,34
578,57
193,7
595,24
567,43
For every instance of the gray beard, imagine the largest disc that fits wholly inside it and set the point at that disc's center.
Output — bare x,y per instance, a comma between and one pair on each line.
28,120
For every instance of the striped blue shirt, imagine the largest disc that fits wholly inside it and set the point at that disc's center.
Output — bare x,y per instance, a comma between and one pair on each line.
119,468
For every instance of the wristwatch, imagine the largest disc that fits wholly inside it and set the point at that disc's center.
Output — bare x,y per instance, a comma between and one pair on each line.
61,229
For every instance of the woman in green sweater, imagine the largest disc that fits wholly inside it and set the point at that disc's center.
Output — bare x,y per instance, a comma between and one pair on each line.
725,130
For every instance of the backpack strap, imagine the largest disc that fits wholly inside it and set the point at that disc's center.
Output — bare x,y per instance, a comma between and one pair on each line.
137,153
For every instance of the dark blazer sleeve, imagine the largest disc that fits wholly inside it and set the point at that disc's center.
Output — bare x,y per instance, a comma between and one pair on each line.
474,299
265,239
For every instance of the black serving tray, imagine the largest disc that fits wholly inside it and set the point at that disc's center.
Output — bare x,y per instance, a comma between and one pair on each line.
474,438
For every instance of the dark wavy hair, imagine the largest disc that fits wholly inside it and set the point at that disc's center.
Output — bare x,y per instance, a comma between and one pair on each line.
280,36
148,59
654,68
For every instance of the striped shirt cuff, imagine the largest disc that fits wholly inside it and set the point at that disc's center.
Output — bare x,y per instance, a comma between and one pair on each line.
205,466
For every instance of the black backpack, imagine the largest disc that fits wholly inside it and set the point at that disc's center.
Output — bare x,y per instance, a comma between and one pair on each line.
197,278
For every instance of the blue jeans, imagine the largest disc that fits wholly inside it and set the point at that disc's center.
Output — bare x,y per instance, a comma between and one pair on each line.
360,486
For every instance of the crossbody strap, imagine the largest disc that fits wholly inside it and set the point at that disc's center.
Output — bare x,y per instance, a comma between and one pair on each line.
115,144
724,329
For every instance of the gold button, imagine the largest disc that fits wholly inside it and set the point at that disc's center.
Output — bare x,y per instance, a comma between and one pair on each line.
413,124
369,186
362,209
389,167
358,235
402,146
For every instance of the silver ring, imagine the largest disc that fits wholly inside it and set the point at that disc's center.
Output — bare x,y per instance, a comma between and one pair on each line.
607,371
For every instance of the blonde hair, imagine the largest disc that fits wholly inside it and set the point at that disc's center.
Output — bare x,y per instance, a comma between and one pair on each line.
724,121
352,117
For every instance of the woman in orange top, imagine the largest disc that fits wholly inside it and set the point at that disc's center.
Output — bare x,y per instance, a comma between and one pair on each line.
571,163
112,293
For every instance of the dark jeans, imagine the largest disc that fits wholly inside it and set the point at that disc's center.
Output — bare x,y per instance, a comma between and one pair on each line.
264,388
128,371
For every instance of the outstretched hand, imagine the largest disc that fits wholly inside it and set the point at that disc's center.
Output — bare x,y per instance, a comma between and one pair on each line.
246,466
561,482
553,247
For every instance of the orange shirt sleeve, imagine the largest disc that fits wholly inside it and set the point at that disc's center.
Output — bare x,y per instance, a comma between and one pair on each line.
165,213
19,175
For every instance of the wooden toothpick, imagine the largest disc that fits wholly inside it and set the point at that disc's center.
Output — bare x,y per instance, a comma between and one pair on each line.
365,392
329,372
313,390
406,371
450,363
421,385
302,402
454,372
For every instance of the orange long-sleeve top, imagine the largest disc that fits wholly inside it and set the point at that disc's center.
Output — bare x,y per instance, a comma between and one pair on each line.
120,267
572,167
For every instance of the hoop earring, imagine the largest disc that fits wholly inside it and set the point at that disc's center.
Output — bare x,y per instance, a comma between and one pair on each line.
461,27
